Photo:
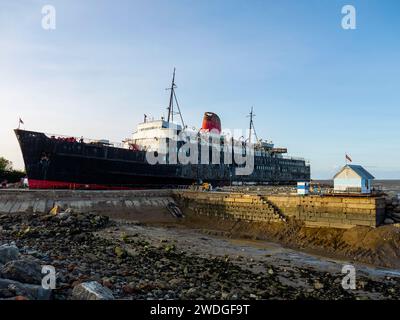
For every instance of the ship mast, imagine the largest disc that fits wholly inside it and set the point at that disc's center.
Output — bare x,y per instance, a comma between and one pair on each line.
251,125
173,98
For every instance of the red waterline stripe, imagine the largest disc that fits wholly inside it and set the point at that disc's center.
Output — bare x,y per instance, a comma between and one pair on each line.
48,184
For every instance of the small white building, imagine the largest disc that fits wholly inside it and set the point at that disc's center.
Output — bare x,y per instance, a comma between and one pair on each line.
353,179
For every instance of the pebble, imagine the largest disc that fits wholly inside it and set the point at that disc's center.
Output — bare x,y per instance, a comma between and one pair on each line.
318,285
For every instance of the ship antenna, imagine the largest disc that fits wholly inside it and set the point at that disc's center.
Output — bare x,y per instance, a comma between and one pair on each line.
173,98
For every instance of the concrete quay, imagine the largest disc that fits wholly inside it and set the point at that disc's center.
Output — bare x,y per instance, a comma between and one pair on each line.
315,211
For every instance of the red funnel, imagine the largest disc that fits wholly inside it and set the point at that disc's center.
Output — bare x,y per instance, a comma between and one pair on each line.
211,122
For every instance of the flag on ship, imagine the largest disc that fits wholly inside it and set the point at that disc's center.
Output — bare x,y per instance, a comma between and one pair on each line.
20,122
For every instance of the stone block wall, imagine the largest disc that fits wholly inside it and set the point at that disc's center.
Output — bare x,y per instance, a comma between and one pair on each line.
226,206
333,211
314,211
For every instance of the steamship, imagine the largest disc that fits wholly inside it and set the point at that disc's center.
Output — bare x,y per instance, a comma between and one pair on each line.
62,162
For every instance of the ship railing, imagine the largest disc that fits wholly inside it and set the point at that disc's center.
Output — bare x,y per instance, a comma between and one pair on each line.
296,158
82,139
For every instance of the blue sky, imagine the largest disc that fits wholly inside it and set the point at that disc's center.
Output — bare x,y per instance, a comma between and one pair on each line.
316,88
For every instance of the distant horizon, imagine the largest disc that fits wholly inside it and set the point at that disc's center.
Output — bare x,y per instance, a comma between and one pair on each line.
375,180
318,89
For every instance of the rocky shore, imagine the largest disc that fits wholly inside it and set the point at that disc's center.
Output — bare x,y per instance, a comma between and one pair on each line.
95,259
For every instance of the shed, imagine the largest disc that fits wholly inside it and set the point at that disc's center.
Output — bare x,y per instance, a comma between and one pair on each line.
303,187
354,179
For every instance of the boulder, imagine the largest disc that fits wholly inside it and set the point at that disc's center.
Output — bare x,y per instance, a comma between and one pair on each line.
11,288
388,221
25,271
8,253
395,215
91,291
395,219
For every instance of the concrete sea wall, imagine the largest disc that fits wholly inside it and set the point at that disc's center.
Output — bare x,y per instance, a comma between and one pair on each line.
131,203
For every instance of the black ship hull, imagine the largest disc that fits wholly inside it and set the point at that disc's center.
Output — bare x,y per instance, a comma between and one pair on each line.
69,164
